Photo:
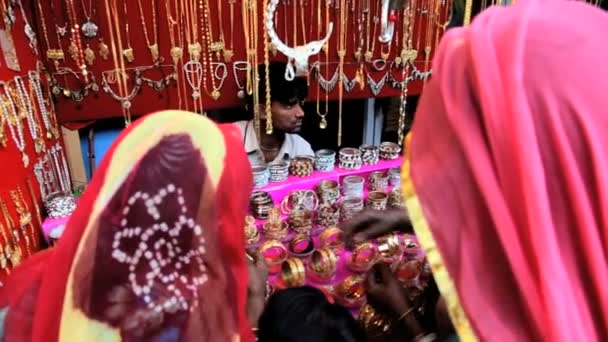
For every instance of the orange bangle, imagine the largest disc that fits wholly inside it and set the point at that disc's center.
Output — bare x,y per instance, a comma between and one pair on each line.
362,263
293,272
351,292
323,264
332,238
273,261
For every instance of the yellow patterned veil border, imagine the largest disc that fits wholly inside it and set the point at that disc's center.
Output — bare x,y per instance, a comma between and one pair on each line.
75,325
433,255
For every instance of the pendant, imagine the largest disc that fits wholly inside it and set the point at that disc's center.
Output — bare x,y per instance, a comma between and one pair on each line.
3,142
154,52
176,54
195,51
49,135
62,31
323,123
325,48
215,94
73,51
427,51
358,55
89,55
384,55
273,49
398,61
241,94
196,94
38,146
3,261
67,93
31,36
25,159
359,78
16,257
129,55
228,54
368,56
89,29
104,51
410,56
126,104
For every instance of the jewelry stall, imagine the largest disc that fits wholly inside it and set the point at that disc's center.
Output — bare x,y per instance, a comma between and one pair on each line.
70,63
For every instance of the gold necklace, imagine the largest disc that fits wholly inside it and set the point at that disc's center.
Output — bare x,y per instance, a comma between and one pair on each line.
128,53
407,39
152,46
221,44
212,46
229,52
55,55
441,27
25,217
268,104
468,8
17,253
341,55
8,253
119,63
323,122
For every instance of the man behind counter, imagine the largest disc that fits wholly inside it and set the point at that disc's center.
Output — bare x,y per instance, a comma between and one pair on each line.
287,114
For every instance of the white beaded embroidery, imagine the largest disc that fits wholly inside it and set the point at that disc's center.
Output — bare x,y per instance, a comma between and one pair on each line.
163,258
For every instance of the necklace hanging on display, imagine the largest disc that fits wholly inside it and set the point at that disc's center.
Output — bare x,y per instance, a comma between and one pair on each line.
176,54
104,51
323,123
89,29
297,56
89,55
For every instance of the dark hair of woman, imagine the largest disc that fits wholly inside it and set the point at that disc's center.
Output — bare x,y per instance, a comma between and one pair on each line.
304,314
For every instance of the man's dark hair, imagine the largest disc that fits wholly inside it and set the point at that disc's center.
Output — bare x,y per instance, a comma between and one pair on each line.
304,314
281,90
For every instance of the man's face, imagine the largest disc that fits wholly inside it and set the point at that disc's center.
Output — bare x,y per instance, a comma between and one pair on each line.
287,117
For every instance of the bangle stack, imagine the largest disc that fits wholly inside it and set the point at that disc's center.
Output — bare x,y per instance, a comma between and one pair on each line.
389,151
394,175
328,191
260,204
350,159
353,186
279,171
59,205
325,160
293,272
390,248
329,215
301,246
395,199
370,155
323,264
301,221
351,206
252,235
378,181
274,254
377,200
301,166
351,292
363,257
332,238
261,175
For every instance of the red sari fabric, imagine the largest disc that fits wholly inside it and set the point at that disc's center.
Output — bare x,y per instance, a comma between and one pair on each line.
154,251
509,160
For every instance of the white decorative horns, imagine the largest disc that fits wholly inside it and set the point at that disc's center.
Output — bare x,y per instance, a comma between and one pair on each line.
297,56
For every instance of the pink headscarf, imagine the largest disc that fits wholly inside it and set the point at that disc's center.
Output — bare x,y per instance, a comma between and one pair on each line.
509,160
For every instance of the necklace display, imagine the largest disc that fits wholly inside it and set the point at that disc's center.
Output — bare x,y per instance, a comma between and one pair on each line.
323,115
28,107
341,55
118,76
51,129
75,95
229,52
267,105
15,125
236,67
128,52
7,44
407,38
75,49
33,199
55,55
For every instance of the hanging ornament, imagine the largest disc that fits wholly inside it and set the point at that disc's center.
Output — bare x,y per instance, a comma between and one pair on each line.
89,55
89,29
104,51
297,56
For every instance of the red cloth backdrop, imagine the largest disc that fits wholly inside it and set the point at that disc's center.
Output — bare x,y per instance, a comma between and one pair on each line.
12,171
103,106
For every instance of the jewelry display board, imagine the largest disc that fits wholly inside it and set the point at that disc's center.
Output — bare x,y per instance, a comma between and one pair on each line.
32,159
193,54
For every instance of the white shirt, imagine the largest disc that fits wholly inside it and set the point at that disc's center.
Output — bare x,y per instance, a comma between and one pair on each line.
294,145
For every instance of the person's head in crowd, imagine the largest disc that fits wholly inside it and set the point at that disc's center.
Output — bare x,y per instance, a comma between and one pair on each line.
304,314
287,98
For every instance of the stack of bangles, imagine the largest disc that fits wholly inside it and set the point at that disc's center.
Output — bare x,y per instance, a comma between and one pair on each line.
301,221
350,159
252,235
275,231
377,200
351,291
395,199
332,238
369,154
390,248
364,257
293,272
378,181
260,203
323,264
328,215
300,199
274,254
329,191
302,166
389,151
301,246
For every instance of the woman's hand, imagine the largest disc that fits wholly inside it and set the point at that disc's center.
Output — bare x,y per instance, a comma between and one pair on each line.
386,294
372,224
256,288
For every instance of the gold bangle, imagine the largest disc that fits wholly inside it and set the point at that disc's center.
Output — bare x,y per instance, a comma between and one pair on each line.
296,251
323,264
374,323
390,248
351,292
405,314
363,263
273,231
332,238
293,272
273,261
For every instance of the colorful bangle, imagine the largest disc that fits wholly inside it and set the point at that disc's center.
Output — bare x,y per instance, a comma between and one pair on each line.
364,257
301,246
332,238
293,272
323,264
274,254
